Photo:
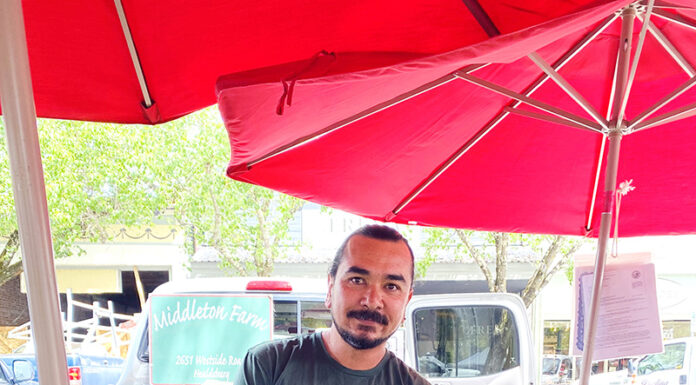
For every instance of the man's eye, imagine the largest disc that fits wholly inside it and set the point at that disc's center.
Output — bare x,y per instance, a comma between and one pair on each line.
393,287
356,280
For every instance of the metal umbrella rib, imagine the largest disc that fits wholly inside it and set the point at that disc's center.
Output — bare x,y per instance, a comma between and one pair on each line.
361,115
147,101
532,102
506,110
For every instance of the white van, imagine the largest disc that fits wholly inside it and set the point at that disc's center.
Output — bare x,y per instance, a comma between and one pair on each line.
471,338
675,366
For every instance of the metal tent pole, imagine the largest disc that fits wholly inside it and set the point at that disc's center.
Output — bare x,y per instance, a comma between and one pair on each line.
600,261
19,115
614,136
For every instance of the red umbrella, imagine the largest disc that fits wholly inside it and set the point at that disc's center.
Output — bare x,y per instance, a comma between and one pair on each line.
432,160
507,134
149,61
153,61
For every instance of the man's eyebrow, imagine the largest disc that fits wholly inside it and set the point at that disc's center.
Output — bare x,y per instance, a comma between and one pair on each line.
361,271
358,270
396,277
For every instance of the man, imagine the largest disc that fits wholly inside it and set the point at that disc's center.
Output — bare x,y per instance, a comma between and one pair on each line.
370,283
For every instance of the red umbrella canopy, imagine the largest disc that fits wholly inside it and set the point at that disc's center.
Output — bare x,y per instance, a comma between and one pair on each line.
443,140
82,67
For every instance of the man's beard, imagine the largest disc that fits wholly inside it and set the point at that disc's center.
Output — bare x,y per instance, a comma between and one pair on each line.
362,343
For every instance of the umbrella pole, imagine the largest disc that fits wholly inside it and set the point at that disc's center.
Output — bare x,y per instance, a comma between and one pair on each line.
614,136
600,261
19,115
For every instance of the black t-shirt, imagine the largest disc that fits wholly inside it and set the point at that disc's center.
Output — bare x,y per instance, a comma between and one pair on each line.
304,360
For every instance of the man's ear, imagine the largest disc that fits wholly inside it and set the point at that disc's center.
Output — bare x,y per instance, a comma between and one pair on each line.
410,295
327,301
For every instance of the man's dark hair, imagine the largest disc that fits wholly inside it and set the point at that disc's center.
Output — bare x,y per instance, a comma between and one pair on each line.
381,232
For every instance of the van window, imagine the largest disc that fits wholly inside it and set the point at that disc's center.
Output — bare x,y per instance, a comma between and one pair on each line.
284,319
315,315
312,315
465,341
671,358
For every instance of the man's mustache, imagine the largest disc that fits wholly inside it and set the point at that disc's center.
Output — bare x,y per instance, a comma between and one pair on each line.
368,315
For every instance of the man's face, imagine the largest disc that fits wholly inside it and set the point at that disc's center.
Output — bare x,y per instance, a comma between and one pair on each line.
369,294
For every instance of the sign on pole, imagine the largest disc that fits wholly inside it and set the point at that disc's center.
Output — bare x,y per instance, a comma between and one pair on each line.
198,338
629,321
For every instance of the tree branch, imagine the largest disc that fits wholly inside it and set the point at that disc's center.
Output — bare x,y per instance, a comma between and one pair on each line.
563,262
8,269
229,258
217,215
477,257
546,268
502,241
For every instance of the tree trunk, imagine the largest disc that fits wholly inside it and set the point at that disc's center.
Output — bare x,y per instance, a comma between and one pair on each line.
9,269
501,354
502,241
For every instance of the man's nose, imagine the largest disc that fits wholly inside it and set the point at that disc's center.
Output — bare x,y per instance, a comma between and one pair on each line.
372,297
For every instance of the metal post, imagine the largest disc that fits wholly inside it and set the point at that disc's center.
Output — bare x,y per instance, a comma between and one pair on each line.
614,136
94,329
600,261
71,319
19,115
114,333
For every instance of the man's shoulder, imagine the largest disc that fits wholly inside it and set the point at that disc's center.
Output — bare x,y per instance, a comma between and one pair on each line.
407,374
271,361
281,347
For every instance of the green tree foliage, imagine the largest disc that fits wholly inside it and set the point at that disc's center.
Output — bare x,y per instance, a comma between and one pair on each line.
491,252
104,174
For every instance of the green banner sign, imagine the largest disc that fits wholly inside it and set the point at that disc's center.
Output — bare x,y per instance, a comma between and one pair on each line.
196,338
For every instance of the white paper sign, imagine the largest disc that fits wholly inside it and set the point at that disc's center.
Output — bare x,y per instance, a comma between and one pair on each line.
629,320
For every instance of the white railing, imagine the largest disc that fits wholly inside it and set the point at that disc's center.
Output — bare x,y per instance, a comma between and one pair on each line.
85,335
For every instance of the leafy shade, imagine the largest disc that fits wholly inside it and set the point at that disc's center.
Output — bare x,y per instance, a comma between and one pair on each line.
100,175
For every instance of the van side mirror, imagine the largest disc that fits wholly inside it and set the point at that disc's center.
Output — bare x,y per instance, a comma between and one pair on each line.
23,370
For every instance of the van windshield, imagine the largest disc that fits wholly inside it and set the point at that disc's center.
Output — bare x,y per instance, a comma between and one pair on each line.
465,341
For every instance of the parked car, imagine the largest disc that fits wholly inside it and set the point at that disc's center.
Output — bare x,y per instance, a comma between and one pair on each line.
82,369
675,366
89,362
619,377
557,369
21,372
449,338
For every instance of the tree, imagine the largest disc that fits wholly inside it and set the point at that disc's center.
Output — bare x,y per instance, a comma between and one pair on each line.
99,175
491,253
246,224
553,254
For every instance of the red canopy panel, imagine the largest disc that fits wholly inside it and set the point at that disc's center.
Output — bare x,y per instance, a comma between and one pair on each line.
525,175
82,69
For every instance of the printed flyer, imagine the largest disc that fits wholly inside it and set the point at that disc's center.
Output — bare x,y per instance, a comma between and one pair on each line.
629,321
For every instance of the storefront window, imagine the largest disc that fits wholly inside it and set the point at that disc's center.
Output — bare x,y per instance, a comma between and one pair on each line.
556,337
